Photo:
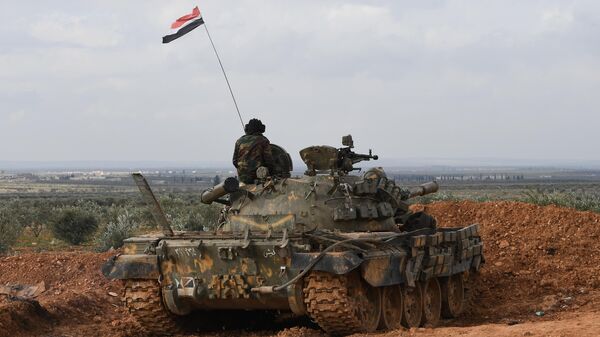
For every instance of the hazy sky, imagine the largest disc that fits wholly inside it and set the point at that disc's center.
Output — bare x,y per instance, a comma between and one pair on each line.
90,80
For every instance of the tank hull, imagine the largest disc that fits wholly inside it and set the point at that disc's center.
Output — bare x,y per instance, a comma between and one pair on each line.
219,271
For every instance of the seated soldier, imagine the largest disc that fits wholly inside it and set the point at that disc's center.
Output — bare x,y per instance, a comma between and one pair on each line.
252,151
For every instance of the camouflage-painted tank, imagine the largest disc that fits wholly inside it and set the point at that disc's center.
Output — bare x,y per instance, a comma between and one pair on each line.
343,249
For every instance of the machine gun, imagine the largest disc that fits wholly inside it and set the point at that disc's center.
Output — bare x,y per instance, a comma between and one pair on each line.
347,158
328,159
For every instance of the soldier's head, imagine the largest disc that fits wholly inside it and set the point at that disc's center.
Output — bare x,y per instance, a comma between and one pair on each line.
375,173
254,126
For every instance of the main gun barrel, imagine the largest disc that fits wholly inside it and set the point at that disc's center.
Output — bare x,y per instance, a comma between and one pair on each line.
230,185
427,188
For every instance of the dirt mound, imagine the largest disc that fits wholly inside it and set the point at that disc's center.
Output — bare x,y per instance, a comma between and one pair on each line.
61,271
76,293
538,258
22,316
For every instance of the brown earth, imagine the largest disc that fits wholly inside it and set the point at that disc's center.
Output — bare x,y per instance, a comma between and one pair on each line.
539,259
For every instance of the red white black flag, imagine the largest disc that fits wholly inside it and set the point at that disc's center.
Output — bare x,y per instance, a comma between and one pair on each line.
195,14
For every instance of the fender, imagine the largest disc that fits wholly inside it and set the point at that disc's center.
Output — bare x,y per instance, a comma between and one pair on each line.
122,267
384,270
338,263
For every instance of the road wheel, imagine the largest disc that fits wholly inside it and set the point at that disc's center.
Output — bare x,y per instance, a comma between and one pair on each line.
453,295
391,308
413,306
432,303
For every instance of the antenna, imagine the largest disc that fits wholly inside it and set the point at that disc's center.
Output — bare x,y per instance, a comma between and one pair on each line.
224,75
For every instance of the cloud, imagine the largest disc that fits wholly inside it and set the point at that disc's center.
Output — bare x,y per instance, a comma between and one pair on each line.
556,19
16,116
352,16
82,31
409,79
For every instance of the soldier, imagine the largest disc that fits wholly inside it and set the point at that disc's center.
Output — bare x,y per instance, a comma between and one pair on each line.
252,151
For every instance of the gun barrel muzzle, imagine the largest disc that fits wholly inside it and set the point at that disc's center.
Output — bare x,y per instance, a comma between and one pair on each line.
424,189
230,185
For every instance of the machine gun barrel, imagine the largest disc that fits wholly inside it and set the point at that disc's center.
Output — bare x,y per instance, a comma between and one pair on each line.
358,157
424,189
211,195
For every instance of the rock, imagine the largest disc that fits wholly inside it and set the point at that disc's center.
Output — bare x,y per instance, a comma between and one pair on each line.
503,244
113,294
23,291
545,282
549,302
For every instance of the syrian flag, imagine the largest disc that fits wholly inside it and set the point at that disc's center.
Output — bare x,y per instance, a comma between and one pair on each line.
195,14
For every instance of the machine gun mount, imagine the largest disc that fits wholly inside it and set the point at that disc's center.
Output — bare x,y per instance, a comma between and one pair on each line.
327,159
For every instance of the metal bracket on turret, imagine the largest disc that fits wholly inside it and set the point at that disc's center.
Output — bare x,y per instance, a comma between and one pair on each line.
269,230
268,187
313,190
246,241
284,239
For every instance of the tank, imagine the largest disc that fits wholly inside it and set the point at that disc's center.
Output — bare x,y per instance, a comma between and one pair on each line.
335,244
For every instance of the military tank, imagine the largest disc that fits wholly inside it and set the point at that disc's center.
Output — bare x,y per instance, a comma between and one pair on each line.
341,248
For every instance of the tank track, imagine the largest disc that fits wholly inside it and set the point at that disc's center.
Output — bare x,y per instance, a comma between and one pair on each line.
328,303
144,301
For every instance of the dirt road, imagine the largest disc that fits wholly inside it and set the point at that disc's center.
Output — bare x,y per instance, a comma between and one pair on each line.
539,259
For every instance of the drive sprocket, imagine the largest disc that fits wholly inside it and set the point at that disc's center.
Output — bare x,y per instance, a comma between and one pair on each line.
144,301
342,304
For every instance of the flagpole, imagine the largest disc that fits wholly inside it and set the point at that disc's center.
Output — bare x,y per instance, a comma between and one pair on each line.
225,75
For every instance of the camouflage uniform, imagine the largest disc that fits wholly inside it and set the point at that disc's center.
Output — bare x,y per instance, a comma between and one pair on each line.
251,152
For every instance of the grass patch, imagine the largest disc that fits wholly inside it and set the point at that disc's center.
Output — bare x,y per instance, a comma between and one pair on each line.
449,196
45,241
27,223
582,200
